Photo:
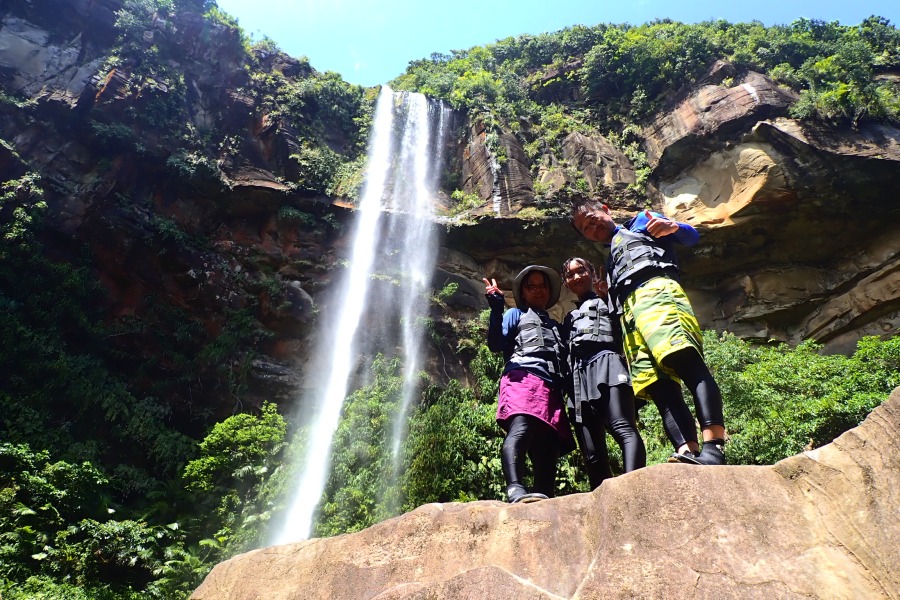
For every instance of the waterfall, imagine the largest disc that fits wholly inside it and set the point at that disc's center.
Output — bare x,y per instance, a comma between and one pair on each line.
496,197
401,182
416,254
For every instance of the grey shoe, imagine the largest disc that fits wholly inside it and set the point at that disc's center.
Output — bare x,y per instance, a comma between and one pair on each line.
526,498
688,458
713,453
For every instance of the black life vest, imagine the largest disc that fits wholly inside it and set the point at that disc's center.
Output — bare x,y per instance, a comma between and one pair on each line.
631,252
591,326
634,258
537,342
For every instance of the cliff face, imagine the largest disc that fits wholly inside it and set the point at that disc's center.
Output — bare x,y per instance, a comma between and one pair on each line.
798,239
796,219
167,224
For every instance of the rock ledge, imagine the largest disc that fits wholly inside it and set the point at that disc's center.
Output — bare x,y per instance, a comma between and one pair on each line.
822,524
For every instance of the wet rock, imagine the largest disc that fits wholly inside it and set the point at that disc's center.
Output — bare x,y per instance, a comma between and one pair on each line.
478,172
598,160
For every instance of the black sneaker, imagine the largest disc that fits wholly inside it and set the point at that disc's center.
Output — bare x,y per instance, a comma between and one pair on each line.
515,492
713,453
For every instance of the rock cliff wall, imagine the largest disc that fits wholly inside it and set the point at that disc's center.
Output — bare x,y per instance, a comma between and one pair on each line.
797,220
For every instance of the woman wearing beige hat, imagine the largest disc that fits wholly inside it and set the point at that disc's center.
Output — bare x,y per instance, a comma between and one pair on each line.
530,406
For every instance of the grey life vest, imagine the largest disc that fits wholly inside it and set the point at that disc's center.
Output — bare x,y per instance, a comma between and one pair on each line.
632,252
634,258
591,325
537,343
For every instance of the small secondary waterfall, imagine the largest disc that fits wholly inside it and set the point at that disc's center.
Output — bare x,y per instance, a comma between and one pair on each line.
403,168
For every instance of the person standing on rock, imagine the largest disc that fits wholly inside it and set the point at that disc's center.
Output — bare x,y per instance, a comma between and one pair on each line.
662,339
600,394
530,404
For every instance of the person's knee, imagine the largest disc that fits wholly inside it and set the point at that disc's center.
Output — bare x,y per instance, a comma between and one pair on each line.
664,390
622,429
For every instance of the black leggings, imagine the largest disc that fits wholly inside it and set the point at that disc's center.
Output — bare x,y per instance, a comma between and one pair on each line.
527,435
691,368
676,416
614,413
666,394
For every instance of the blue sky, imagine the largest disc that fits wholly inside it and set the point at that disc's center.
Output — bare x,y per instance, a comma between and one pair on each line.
371,41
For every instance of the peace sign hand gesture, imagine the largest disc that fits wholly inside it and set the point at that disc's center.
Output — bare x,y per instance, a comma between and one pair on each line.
490,287
493,294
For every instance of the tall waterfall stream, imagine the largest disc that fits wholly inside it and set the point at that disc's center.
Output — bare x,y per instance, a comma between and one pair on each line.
394,240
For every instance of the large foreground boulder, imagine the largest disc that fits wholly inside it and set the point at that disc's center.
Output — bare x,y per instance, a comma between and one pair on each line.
822,524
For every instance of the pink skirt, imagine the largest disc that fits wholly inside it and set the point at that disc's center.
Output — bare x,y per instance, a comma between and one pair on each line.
522,393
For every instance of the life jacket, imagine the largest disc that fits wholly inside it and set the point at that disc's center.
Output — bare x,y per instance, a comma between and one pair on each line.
636,257
537,343
591,326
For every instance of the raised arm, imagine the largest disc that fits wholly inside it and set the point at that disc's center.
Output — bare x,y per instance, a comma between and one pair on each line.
495,334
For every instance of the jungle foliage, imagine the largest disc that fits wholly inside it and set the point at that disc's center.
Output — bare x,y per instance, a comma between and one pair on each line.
94,435
608,77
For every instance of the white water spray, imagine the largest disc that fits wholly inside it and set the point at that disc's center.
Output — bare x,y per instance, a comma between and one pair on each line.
401,178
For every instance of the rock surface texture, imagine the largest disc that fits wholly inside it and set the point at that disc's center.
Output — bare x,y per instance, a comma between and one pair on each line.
822,524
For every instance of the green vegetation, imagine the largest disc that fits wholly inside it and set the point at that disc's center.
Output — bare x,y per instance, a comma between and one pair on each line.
462,202
782,400
331,120
147,67
231,476
293,215
317,167
623,73
613,79
58,537
361,489
95,434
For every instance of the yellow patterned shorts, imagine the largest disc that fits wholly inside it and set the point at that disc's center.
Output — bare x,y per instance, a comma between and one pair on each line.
658,320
